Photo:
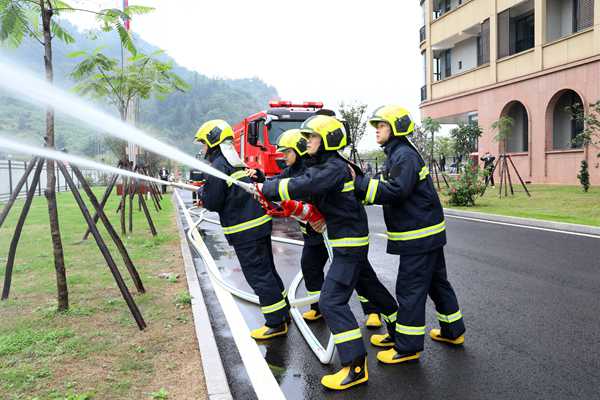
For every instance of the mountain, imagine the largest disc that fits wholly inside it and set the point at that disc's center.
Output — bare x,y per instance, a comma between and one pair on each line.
174,119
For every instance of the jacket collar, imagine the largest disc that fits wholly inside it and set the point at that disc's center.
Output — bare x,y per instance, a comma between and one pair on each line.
391,144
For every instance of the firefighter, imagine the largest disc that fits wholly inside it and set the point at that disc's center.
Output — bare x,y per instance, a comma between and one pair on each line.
245,225
417,232
292,144
329,185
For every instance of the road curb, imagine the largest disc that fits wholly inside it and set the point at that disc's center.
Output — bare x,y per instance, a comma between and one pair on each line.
217,385
537,223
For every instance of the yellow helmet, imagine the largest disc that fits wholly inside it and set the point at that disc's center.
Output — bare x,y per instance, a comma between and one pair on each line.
331,130
292,139
398,118
214,132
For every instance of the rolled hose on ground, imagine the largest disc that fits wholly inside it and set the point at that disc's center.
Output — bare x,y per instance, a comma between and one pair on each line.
325,355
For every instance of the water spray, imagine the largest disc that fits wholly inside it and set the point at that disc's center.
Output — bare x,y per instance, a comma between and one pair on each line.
83,162
35,90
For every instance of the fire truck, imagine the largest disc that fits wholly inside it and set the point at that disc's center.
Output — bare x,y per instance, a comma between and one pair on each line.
255,137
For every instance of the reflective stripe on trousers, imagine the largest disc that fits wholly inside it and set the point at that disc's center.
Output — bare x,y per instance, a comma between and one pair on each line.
418,233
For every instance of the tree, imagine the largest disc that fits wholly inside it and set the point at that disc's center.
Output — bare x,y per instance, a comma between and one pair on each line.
465,138
419,139
432,127
20,19
354,115
590,135
107,79
584,176
503,128
443,147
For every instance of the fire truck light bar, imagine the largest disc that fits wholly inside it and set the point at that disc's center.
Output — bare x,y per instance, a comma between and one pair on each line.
306,104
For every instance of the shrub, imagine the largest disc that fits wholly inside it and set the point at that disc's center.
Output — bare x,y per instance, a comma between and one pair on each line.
584,176
464,190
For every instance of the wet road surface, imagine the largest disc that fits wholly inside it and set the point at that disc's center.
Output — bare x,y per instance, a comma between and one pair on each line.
531,305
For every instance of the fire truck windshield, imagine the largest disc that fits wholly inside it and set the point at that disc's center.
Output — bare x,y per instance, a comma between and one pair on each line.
280,126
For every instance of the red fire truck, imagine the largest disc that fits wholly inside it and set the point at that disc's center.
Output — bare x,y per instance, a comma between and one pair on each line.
256,136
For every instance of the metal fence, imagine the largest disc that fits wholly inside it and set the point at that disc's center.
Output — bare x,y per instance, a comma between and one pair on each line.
12,171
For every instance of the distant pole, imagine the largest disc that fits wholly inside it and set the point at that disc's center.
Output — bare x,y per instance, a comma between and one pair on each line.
132,149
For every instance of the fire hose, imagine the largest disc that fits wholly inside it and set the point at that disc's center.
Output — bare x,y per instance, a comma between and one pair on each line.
324,354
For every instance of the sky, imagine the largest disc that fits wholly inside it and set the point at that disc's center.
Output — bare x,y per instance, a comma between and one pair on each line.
327,50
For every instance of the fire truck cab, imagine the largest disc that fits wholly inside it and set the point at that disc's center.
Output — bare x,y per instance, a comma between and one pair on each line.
256,136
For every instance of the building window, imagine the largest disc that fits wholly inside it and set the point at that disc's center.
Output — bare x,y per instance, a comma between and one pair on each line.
518,140
483,44
442,65
516,29
565,128
565,17
448,63
524,32
424,87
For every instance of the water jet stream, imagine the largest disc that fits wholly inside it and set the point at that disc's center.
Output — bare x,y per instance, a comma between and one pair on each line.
34,90
83,162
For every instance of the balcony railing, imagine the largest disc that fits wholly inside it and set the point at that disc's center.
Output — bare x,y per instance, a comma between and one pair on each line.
422,34
423,93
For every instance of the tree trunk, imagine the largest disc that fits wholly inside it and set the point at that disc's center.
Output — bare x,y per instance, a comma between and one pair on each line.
59,261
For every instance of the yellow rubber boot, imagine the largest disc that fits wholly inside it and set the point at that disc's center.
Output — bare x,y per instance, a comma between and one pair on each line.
436,334
391,356
266,332
349,376
373,321
382,340
312,315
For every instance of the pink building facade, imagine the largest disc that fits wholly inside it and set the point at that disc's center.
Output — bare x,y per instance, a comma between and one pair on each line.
542,150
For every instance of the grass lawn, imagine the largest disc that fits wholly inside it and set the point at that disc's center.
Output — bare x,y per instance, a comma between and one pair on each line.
95,351
548,202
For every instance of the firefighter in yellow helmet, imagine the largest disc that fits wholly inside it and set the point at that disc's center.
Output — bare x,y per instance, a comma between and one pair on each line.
245,225
416,231
293,144
329,186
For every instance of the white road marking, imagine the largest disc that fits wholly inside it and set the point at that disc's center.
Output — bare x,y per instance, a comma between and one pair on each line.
536,228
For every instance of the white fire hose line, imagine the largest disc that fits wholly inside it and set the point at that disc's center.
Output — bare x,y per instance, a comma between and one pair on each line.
325,355
263,381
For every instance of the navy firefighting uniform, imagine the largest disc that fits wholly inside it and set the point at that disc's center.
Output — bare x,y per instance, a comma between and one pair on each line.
417,232
314,252
329,186
248,229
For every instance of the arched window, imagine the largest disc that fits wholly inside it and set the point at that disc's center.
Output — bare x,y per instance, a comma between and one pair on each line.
518,140
565,128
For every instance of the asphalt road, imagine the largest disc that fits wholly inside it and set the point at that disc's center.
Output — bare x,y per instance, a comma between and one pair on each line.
531,305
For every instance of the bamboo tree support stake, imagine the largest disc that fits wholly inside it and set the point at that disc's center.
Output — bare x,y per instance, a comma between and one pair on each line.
106,253
131,194
105,197
17,190
10,261
122,204
147,213
111,231
519,176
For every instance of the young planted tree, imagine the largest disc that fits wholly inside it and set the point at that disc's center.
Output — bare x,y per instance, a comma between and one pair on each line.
504,129
432,127
465,138
590,135
444,147
108,79
39,20
354,115
419,140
